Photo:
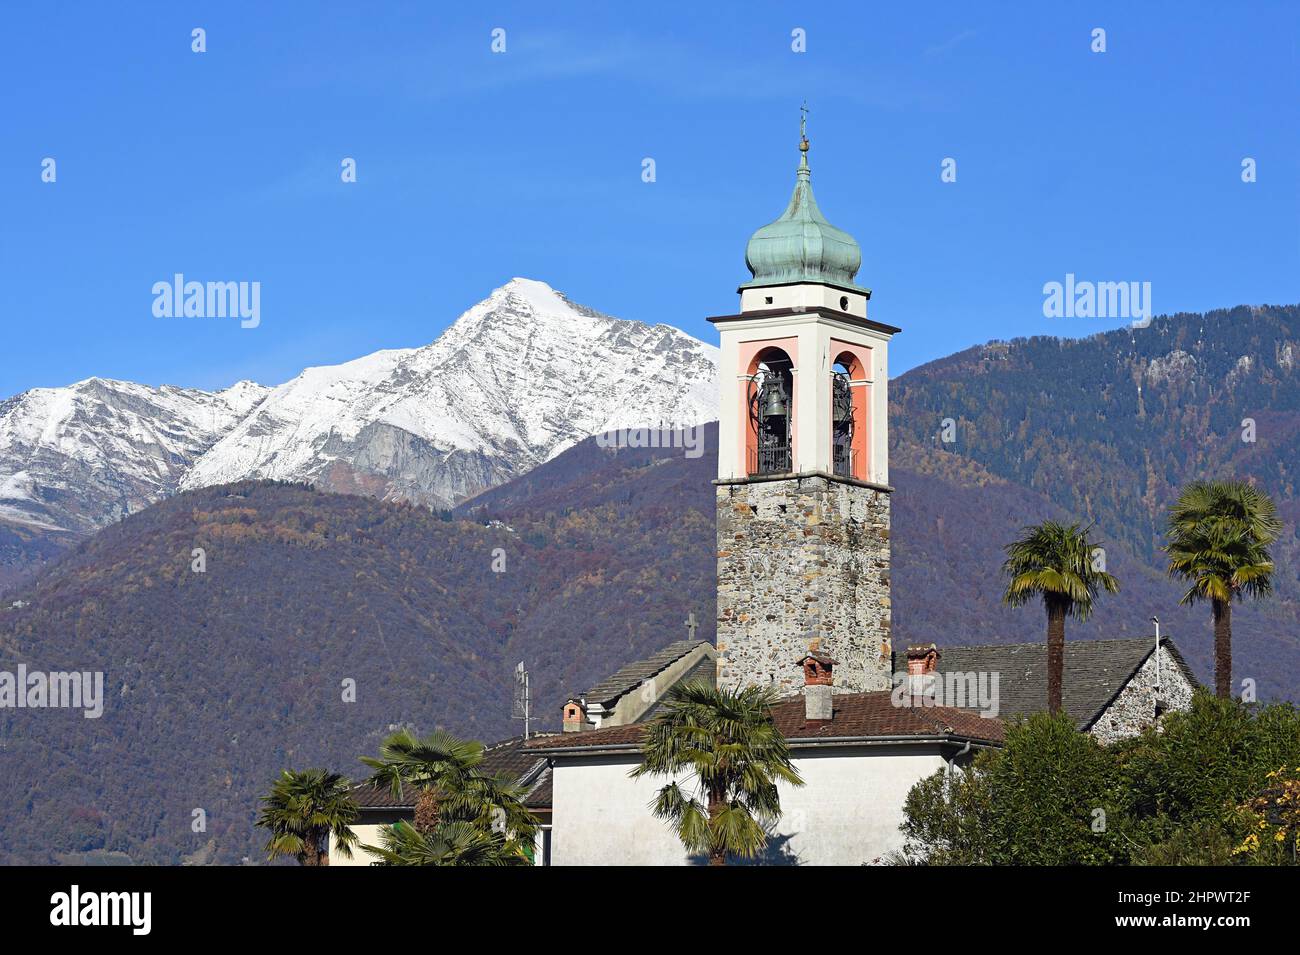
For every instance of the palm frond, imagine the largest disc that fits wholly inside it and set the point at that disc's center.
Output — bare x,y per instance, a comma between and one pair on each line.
303,809
466,798
1055,562
1218,539
724,746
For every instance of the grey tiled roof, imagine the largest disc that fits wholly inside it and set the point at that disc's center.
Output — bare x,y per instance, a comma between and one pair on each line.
539,797
1094,673
706,670
634,674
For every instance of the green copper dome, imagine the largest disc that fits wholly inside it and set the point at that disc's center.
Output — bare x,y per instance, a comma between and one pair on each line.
802,246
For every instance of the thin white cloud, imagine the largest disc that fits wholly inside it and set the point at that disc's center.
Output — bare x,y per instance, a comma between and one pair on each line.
948,45
662,63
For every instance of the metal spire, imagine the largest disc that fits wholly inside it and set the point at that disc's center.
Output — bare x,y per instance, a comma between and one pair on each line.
803,137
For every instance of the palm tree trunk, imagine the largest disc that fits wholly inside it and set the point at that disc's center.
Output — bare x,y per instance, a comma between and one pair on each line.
1222,649
717,851
427,812
1055,656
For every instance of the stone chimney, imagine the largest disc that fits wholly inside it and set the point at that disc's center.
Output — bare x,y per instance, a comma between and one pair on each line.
818,681
922,662
575,715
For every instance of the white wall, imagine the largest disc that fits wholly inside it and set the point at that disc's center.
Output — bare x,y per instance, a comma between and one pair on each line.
847,813
805,295
599,816
368,834
851,804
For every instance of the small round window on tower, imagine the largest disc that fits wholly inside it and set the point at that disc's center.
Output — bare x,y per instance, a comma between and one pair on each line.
844,303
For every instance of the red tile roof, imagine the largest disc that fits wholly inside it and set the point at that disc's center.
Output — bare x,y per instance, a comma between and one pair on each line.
854,716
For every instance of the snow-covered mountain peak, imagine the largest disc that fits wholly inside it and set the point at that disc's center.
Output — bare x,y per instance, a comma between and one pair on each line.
516,379
243,396
536,294
77,457
521,304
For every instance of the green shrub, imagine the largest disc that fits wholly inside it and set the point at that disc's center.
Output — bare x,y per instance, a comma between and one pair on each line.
1188,793
1049,797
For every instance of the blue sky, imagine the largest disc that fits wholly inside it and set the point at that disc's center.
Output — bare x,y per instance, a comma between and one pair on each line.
474,167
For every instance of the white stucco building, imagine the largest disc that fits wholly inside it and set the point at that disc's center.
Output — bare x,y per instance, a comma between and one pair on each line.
857,769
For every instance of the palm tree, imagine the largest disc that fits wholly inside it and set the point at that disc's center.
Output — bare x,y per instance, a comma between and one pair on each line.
452,793
1219,534
727,756
439,762
447,844
1055,562
303,810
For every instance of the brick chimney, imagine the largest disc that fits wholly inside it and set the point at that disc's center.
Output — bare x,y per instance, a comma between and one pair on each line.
575,715
818,680
922,662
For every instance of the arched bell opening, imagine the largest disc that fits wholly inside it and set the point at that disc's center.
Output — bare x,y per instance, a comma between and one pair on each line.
849,417
841,420
770,438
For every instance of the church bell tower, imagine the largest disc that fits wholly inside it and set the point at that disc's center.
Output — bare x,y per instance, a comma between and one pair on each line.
803,470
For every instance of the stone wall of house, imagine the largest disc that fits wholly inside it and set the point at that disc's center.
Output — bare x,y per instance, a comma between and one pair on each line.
1134,709
802,559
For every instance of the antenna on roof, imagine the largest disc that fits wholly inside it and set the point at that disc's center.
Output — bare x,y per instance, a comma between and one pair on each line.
1156,621
523,701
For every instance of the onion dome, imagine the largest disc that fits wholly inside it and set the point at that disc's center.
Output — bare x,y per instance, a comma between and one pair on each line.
802,246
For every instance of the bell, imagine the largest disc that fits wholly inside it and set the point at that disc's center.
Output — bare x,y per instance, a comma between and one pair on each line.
773,403
841,400
843,409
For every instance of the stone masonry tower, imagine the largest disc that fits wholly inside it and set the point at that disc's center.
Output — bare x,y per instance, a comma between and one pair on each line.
803,472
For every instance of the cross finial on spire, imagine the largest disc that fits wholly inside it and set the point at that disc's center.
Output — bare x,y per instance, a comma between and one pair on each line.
803,127
691,624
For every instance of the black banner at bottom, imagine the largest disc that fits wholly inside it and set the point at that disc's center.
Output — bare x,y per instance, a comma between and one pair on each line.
141,905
